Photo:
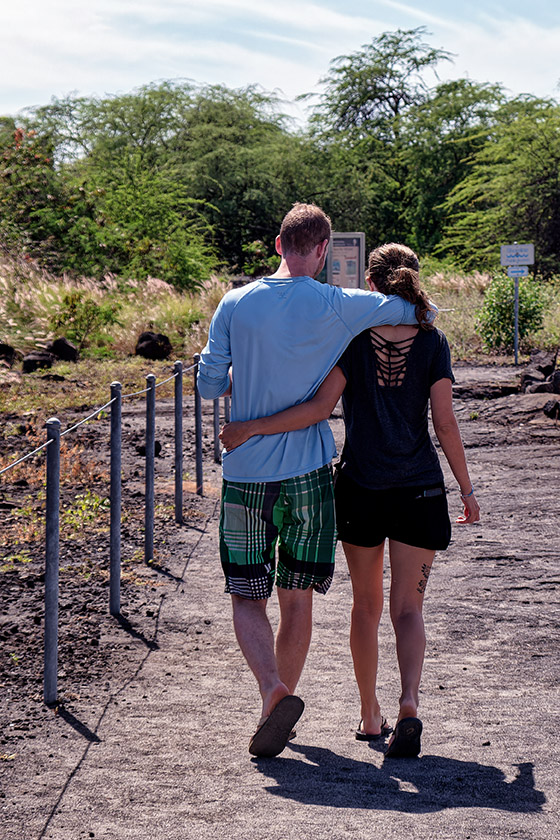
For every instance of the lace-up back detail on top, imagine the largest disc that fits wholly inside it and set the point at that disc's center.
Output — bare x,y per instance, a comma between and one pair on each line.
391,358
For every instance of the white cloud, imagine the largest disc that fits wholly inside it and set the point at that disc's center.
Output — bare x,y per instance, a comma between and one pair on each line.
54,47
516,53
421,15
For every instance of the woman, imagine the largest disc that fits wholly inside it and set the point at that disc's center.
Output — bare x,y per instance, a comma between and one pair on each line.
389,483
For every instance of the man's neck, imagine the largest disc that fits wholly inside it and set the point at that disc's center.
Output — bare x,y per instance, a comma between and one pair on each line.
293,267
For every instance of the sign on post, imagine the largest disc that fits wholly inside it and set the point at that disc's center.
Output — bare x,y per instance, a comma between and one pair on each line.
517,254
518,257
518,270
346,260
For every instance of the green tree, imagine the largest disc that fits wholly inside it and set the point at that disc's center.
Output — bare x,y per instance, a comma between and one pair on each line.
126,209
165,179
442,135
239,156
30,191
512,192
367,92
361,117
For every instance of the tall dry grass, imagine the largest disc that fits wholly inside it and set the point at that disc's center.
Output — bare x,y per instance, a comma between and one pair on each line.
459,298
31,300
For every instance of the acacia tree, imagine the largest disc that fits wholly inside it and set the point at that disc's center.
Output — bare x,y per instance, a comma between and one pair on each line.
442,134
124,207
513,190
367,91
361,116
171,177
30,191
239,156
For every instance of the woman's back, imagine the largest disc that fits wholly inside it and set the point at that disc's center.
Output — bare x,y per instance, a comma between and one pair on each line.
391,346
386,406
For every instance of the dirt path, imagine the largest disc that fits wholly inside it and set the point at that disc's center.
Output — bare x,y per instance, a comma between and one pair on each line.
150,739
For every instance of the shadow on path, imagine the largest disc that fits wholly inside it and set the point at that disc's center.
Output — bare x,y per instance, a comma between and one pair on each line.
415,786
76,724
151,644
91,736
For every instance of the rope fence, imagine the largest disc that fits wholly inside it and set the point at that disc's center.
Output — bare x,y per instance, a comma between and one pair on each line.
52,446
25,457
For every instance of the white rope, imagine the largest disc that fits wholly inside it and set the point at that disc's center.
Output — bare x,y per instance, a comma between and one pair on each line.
95,413
25,457
135,393
166,380
91,416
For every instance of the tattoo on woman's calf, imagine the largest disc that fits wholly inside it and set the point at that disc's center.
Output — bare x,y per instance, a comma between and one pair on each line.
425,575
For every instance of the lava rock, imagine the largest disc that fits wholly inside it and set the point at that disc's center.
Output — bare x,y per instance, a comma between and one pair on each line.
7,353
153,346
141,449
544,361
552,409
37,359
549,386
63,349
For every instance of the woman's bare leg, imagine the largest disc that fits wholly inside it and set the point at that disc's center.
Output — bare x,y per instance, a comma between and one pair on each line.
410,569
366,571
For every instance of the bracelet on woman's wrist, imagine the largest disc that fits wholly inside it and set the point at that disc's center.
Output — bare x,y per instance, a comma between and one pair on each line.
468,495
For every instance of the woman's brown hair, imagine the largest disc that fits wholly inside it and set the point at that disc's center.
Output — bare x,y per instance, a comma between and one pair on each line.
394,269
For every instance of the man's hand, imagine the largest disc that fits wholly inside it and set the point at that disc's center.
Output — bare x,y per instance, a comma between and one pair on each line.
234,434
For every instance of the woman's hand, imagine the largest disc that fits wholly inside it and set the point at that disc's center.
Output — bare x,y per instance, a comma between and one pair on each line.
472,511
234,434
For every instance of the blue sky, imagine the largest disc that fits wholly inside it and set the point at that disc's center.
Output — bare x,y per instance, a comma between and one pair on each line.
55,47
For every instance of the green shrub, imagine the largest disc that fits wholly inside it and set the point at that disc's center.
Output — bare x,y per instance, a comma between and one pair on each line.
496,324
81,317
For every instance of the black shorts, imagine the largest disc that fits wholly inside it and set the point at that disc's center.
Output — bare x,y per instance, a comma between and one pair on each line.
416,516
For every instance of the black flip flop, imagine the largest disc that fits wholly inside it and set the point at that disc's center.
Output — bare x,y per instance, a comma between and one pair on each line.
405,742
367,736
273,735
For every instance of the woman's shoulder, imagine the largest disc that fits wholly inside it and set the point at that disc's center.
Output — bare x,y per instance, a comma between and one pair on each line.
435,337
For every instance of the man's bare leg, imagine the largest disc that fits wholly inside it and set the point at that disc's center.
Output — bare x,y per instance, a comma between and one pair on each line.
294,633
256,640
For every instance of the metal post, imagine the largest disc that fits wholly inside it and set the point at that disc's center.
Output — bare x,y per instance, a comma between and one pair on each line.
227,406
198,429
178,368
51,561
150,468
516,322
217,447
116,481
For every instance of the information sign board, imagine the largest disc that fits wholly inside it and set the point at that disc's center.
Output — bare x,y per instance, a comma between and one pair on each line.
517,254
346,260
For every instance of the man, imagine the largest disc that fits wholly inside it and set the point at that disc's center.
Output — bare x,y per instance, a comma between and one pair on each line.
281,335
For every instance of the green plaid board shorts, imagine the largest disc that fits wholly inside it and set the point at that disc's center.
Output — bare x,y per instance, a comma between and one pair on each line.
298,514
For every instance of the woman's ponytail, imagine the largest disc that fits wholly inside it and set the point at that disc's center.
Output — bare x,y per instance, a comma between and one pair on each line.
394,269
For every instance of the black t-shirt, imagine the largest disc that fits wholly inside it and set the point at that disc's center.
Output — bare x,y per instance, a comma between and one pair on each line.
387,440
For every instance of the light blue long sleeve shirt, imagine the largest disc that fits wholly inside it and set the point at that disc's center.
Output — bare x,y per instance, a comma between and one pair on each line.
282,337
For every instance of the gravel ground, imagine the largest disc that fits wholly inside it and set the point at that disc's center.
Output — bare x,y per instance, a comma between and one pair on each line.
149,737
